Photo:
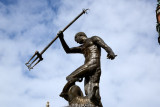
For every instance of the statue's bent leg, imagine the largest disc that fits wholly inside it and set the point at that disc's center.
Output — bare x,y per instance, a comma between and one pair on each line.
82,71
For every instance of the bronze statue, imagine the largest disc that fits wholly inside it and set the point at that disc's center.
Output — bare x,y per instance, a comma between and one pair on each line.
91,70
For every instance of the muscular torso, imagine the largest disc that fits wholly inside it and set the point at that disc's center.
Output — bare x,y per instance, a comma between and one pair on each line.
91,51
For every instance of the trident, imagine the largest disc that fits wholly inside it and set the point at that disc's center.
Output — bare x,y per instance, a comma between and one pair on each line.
37,57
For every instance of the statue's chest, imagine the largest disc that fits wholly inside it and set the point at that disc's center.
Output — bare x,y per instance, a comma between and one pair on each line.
87,45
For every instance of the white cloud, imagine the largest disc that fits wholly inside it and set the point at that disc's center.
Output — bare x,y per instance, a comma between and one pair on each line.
128,27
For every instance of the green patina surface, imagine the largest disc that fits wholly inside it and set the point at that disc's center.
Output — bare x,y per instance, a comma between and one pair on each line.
158,24
158,27
158,2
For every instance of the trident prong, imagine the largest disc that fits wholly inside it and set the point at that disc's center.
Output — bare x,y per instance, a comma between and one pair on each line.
35,64
31,59
38,56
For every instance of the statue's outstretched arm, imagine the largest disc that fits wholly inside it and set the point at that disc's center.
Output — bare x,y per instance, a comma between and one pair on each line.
102,44
66,47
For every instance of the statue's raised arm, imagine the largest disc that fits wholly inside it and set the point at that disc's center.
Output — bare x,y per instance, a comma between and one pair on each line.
66,47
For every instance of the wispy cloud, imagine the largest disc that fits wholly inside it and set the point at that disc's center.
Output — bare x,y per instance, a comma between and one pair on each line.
128,27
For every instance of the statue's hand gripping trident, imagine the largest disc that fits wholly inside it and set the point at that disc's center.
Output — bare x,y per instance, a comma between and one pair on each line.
37,57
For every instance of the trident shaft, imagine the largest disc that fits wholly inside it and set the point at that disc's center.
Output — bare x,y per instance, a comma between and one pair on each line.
37,57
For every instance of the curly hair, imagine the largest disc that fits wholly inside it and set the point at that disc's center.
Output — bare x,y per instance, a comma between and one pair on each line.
80,34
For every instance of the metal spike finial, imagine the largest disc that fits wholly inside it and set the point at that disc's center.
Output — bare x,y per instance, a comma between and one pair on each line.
47,105
85,11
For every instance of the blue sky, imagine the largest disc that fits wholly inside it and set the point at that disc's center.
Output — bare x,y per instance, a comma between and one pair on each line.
128,27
